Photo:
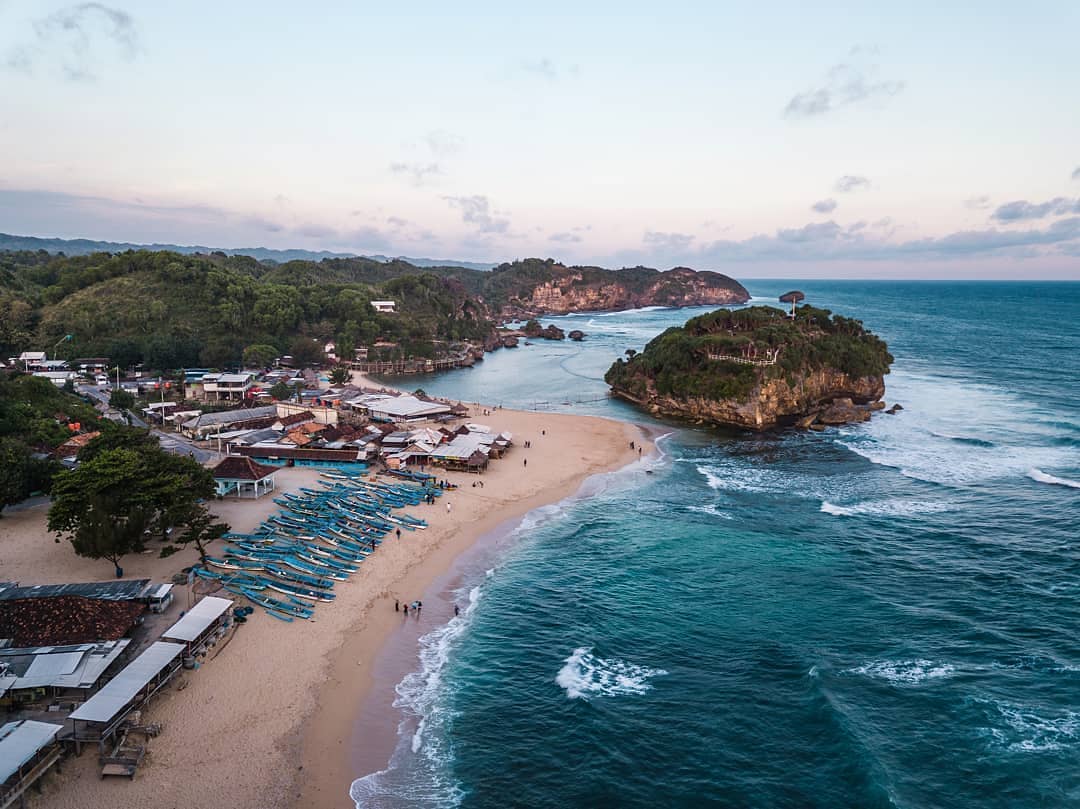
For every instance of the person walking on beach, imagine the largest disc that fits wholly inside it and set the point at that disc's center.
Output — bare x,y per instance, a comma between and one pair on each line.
405,609
397,605
398,532
457,611
447,506
526,462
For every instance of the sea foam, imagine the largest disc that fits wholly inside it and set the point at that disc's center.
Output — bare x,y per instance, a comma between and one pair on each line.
904,672
1054,480
585,676
884,508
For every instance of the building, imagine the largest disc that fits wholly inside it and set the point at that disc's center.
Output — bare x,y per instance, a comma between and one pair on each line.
99,718
398,409
65,619
32,360
91,365
35,673
28,749
384,306
208,424
240,475
204,623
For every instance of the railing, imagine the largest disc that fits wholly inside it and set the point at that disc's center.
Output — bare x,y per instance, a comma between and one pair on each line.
770,360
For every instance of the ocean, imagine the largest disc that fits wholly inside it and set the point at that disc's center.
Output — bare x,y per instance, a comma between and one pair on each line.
882,615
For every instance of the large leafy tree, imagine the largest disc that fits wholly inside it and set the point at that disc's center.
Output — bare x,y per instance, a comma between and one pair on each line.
21,474
124,490
340,375
259,355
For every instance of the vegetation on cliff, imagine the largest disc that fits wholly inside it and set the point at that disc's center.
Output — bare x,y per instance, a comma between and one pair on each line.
34,419
169,310
728,354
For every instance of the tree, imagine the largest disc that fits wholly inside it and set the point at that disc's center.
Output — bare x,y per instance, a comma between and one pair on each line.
21,474
280,391
340,375
125,488
202,529
305,352
121,399
259,355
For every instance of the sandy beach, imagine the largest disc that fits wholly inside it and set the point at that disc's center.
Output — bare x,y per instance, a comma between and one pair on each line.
269,722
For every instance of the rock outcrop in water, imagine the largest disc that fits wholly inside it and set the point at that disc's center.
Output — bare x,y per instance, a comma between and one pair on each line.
759,369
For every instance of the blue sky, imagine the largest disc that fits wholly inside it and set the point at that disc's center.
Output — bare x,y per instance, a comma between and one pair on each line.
775,139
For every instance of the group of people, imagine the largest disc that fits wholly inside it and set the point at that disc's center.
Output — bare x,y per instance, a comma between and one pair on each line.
413,606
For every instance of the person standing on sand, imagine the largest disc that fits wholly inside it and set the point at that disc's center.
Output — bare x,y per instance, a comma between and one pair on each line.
447,506
398,532
397,605
526,462
457,611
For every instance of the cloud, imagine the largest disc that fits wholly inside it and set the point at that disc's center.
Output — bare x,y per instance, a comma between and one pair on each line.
79,38
443,144
548,69
314,231
829,241
564,238
844,85
367,238
1076,173
667,242
396,221
417,172
476,210
851,182
978,203
1022,210
824,206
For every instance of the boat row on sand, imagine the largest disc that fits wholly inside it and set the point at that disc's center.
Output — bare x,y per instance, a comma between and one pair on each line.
319,537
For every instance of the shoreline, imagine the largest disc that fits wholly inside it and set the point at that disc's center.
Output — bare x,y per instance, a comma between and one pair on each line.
336,748
272,721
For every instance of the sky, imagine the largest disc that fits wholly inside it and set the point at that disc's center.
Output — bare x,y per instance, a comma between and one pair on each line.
907,140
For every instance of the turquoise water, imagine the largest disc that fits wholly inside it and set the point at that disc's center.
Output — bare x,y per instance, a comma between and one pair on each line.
883,615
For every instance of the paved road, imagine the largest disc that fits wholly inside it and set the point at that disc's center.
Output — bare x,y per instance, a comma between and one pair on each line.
170,442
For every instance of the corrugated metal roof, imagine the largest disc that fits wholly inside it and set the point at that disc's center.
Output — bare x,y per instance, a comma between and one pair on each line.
123,590
21,741
45,668
198,618
122,688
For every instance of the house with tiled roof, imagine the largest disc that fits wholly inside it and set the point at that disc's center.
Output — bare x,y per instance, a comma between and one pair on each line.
239,475
66,619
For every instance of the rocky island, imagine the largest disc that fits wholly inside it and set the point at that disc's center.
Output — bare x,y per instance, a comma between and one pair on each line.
759,368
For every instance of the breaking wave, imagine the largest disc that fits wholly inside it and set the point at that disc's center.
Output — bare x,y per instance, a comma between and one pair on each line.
586,676
884,508
1054,480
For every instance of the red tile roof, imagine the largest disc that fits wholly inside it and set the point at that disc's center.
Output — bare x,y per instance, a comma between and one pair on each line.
63,620
237,467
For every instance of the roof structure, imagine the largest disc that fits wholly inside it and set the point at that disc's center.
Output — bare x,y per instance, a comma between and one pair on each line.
230,378
198,619
75,443
296,418
230,417
65,619
400,407
122,688
21,741
121,590
79,666
240,467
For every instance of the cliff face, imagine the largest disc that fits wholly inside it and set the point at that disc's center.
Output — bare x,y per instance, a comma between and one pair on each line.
542,288
759,368
773,403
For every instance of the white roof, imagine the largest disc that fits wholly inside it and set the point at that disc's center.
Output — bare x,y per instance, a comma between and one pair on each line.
404,406
472,427
32,355
122,688
198,619
21,741
160,591
382,303
235,377
463,447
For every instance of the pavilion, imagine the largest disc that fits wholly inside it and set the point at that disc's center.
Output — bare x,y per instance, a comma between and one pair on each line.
239,475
